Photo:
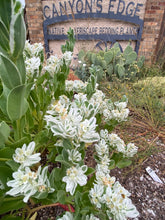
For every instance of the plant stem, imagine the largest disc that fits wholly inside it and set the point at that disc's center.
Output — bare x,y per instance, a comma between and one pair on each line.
18,129
4,159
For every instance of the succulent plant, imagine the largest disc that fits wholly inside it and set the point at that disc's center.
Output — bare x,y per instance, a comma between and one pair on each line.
113,62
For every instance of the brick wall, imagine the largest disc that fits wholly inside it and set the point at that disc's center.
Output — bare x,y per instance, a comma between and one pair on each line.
160,49
152,38
153,24
34,18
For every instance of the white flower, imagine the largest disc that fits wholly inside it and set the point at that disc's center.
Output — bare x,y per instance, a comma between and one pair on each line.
107,114
69,85
67,56
25,155
86,131
28,183
43,183
104,179
120,105
84,64
67,216
75,175
104,135
101,148
74,116
24,183
32,66
64,129
116,141
104,168
130,150
32,50
74,156
53,64
96,194
80,99
36,48
120,115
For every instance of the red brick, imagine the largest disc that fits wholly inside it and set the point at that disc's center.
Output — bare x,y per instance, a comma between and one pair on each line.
151,11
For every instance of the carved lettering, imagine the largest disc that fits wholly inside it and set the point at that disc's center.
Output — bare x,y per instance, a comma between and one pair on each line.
54,11
121,7
130,9
45,12
99,6
79,6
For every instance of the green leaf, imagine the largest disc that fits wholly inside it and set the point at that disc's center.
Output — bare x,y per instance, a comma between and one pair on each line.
19,143
13,165
110,69
41,195
140,62
123,163
89,171
112,164
108,56
7,153
61,196
117,157
6,173
67,144
56,175
4,37
131,57
17,36
128,50
4,133
16,103
5,12
65,155
3,100
21,67
60,159
9,72
121,70
10,204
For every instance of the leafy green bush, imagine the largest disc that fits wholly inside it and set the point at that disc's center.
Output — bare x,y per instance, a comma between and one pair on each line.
151,71
110,63
157,84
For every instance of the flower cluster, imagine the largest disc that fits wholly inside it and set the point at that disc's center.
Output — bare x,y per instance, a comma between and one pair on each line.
27,182
54,63
68,119
75,86
117,110
107,192
32,50
33,56
115,142
116,200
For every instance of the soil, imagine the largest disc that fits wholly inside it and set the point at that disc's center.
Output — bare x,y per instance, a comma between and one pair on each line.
147,195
